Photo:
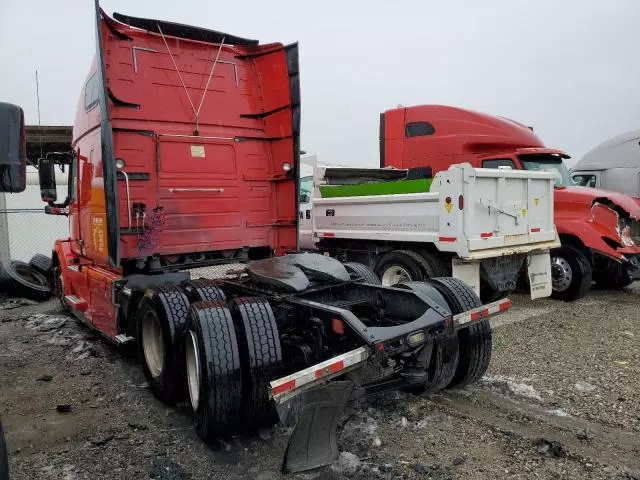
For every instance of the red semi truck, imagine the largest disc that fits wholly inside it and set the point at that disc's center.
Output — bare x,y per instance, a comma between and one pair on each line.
185,153
599,230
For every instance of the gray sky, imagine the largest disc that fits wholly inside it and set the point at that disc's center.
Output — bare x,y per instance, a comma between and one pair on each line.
568,68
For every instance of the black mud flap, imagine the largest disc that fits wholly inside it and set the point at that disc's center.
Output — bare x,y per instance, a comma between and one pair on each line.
313,442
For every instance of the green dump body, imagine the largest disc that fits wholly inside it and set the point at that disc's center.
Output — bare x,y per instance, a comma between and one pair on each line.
421,185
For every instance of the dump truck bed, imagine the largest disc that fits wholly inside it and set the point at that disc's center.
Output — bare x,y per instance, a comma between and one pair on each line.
472,212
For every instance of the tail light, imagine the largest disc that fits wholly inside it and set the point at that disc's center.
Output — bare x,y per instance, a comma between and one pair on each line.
337,326
461,202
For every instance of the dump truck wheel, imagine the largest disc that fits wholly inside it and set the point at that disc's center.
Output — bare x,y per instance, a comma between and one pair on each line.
474,342
203,289
401,266
42,263
161,325
213,370
488,294
4,458
25,281
444,357
261,356
361,272
615,277
571,273
438,266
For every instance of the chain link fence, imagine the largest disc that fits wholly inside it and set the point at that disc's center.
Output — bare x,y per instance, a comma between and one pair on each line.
24,227
25,232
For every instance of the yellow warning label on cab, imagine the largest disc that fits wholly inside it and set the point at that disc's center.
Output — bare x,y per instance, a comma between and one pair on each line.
524,212
448,207
99,233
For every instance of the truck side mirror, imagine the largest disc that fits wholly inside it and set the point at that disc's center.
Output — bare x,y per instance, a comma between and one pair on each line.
13,149
47,175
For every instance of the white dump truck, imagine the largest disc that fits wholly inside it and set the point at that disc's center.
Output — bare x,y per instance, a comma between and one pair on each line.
483,226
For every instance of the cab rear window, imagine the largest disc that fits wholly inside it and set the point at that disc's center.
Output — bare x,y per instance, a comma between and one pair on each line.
498,162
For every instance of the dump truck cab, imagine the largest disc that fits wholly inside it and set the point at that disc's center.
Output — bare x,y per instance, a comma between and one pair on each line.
598,229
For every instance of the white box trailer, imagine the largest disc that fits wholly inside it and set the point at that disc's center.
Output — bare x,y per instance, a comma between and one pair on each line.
478,224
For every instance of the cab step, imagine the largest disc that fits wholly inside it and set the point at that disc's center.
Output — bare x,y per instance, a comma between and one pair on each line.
76,303
123,339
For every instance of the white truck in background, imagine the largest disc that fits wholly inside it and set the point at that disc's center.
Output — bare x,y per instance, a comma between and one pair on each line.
480,225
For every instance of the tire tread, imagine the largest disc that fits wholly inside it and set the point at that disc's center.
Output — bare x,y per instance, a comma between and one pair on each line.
363,272
475,341
260,343
213,325
42,263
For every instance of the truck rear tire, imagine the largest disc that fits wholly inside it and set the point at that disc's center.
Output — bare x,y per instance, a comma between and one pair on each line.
42,263
401,266
261,355
475,341
203,289
444,357
161,325
571,273
360,271
214,370
25,281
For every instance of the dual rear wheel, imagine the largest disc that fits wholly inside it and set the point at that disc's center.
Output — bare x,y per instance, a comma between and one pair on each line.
231,350
462,358
218,354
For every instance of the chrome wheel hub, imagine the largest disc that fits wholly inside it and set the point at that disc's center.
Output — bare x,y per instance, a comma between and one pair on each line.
395,274
561,274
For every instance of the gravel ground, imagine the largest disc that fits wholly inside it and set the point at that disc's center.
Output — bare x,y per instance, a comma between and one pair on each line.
560,400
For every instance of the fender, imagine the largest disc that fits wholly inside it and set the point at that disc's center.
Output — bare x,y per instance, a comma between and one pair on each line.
593,238
62,251
64,256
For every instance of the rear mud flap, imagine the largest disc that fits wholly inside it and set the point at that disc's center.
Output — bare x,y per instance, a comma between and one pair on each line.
313,442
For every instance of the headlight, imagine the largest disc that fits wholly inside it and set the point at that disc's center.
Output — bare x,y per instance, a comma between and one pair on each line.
120,163
286,166
626,237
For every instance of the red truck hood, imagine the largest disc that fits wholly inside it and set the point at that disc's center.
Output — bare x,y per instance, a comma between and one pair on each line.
585,197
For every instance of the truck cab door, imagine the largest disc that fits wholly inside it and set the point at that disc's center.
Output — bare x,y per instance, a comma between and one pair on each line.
587,179
305,227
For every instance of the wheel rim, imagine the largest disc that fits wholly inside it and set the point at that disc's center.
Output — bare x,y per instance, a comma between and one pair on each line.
193,370
153,344
395,274
561,274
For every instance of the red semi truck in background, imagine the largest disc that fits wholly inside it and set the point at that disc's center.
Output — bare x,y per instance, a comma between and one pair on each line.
599,230
185,153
